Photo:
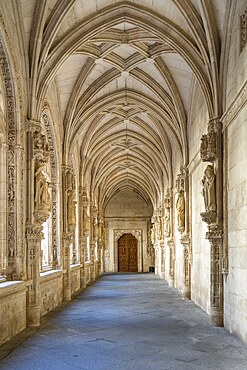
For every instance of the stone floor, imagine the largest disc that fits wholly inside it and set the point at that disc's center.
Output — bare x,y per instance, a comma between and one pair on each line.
125,322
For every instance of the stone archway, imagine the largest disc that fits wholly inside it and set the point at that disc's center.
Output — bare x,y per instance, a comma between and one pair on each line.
137,234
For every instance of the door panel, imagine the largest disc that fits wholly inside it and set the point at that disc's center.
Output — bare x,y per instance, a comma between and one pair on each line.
127,253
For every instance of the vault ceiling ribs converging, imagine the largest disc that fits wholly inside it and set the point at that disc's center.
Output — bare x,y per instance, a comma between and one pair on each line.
126,61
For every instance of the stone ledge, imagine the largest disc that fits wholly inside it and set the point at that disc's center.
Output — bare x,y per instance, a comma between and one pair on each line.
11,287
50,275
76,266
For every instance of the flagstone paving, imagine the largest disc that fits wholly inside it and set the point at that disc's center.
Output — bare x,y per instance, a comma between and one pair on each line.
125,322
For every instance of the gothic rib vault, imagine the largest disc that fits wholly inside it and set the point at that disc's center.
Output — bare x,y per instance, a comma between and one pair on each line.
124,77
115,116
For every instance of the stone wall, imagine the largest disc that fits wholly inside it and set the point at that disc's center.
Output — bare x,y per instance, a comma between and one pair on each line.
126,213
12,309
51,290
235,284
235,164
75,278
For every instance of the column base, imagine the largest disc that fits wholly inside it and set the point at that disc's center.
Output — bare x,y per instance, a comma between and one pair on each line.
187,293
216,316
92,272
33,316
67,294
171,283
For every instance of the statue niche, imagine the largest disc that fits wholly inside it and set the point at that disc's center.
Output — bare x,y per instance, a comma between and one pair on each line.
71,203
167,216
180,206
209,195
42,200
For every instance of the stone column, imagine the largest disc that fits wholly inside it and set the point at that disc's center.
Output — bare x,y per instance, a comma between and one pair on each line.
215,237
69,224
171,245
80,240
67,239
162,247
101,240
182,186
212,182
92,243
185,241
85,228
38,211
34,235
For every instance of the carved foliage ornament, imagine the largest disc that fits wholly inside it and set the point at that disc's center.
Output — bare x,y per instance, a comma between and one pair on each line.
11,158
243,29
209,144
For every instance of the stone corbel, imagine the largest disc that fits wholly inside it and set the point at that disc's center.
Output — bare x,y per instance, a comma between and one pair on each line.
210,145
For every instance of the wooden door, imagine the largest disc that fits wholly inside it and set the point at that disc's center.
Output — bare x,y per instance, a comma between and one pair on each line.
127,253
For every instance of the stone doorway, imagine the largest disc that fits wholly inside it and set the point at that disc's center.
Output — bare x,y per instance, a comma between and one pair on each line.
127,253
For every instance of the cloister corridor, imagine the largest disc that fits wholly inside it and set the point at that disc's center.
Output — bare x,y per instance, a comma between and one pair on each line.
125,321
123,184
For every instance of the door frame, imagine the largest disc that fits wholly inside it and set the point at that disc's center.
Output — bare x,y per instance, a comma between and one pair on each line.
138,235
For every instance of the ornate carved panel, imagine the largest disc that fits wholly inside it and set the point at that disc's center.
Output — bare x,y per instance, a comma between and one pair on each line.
11,161
243,29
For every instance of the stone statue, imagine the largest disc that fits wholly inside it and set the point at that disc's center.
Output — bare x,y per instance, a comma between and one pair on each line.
71,207
180,206
159,228
167,225
208,191
42,195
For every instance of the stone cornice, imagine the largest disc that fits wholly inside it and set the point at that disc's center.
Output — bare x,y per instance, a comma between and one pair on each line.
235,107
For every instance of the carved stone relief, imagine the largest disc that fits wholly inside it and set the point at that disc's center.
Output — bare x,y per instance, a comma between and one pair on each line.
42,201
11,168
167,215
71,202
243,29
209,195
180,207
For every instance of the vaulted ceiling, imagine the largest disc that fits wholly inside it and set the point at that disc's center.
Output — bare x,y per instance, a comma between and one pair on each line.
124,72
